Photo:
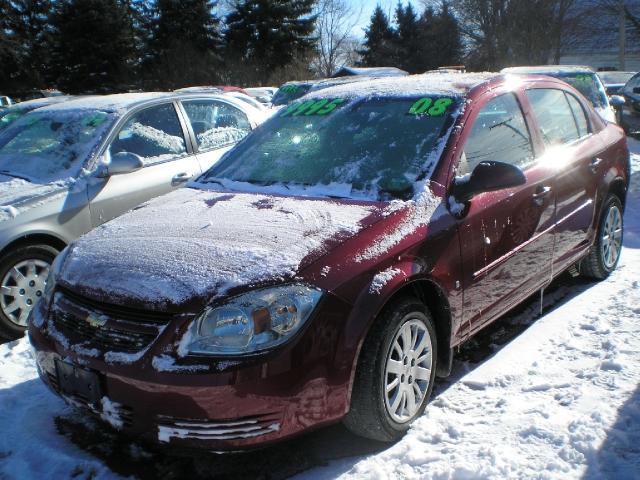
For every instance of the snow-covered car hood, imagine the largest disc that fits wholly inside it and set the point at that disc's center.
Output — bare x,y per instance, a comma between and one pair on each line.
17,195
179,251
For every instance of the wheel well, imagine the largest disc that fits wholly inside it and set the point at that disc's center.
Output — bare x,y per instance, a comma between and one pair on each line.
619,188
435,300
34,239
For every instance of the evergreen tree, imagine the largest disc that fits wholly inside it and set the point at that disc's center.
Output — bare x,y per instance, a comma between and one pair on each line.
266,36
185,43
379,42
93,46
440,38
409,47
24,43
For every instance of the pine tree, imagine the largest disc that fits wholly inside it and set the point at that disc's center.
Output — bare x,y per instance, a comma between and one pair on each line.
268,36
446,38
379,42
185,44
409,47
24,43
93,46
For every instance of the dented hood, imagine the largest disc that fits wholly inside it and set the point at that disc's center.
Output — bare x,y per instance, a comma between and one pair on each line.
181,250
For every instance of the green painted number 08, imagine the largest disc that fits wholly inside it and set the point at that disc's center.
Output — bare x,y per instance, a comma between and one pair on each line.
427,106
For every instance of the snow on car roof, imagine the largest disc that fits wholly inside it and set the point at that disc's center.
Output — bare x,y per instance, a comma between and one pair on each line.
458,84
549,69
41,102
109,103
371,71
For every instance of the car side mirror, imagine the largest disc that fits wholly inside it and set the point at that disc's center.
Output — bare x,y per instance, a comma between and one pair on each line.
124,162
487,177
616,101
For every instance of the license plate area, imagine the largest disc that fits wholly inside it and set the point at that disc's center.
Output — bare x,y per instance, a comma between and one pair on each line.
78,383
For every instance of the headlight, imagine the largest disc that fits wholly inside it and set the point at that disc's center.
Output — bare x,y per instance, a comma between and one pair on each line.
251,322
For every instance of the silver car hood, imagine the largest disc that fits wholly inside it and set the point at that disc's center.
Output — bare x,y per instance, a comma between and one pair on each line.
190,246
17,195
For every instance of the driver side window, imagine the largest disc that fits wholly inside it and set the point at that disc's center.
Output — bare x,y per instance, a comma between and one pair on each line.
499,134
154,134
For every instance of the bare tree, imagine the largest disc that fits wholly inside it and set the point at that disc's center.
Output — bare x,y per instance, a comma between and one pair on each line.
334,29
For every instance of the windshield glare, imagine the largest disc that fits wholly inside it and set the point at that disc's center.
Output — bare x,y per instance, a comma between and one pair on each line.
373,149
49,146
588,85
9,116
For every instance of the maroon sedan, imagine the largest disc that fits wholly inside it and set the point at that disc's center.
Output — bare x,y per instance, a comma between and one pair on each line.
328,266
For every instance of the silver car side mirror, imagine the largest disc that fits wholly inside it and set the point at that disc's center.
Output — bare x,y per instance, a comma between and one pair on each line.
616,101
124,162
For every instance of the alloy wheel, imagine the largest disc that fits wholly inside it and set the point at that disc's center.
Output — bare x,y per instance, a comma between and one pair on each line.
611,237
21,287
408,371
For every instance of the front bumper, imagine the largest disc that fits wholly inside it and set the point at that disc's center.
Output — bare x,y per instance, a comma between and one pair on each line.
209,403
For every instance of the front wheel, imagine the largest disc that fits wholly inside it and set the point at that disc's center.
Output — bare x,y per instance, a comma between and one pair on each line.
604,254
395,374
23,274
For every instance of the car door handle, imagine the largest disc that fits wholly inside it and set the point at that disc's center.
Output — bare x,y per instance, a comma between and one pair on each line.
595,163
180,178
541,193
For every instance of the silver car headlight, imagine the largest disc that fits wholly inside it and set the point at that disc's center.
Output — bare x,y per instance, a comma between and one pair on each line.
251,322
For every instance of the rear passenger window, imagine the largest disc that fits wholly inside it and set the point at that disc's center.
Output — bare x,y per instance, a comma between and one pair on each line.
216,124
579,115
499,134
155,134
555,117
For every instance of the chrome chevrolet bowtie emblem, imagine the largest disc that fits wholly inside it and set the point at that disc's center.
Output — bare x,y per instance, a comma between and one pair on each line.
96,320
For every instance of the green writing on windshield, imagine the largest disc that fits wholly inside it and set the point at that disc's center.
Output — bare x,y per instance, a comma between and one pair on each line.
94,119
289,88
430,106
312,107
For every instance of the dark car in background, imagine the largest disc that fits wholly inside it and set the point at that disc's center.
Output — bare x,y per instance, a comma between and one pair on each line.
630,111
328,266
614,80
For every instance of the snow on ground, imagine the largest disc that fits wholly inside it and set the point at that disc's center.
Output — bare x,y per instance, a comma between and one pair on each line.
561,400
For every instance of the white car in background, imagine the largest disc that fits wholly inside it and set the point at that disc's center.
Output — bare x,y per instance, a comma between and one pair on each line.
69,167
583,79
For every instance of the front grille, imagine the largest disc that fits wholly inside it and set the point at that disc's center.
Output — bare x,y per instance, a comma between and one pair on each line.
116,311
79,332
235,429
125,330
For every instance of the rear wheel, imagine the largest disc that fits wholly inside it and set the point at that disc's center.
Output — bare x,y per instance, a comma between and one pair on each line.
395,374
23,273
604,255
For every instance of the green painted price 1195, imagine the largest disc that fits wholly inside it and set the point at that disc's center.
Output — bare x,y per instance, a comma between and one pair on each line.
313,107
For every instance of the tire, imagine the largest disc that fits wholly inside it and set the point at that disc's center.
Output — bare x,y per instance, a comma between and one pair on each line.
372,413
604,254
32,263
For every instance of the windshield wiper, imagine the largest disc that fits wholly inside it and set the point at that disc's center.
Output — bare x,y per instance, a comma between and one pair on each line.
15,175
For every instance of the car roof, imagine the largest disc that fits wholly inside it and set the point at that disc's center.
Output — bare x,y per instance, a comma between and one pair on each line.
549,69
122,102
457,84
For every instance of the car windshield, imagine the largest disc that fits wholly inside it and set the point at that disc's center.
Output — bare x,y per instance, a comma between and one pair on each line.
7,117
588,85
48,146
288,93
374,149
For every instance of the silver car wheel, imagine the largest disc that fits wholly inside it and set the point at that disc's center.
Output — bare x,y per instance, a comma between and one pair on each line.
611,237
408,371
22,287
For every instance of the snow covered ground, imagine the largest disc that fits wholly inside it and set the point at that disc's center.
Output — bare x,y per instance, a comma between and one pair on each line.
551,396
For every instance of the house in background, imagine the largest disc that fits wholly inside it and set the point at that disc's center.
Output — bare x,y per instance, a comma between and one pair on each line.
604,36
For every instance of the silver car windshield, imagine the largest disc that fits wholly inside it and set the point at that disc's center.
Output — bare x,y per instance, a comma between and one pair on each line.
48,146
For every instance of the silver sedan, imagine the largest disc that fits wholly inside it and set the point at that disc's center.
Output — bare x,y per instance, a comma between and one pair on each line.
69,167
